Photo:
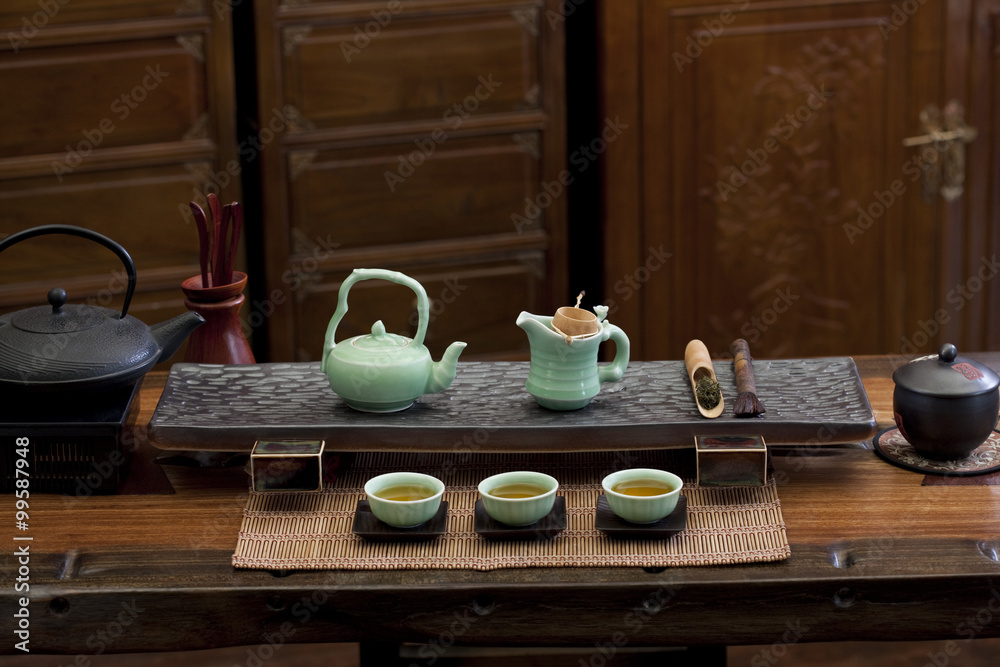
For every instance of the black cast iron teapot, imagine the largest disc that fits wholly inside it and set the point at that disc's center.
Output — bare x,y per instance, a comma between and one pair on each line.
82,348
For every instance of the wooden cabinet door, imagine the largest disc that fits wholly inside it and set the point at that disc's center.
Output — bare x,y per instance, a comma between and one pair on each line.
776,200
980,207
418,149
117,114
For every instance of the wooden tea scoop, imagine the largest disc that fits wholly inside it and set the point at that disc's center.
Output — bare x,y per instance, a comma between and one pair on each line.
703,382
747,403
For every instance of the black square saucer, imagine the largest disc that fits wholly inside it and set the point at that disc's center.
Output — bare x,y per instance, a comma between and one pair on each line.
545,528
369,527
615,526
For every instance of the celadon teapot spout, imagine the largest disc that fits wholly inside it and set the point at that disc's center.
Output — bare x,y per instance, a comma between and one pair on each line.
381,371
564,373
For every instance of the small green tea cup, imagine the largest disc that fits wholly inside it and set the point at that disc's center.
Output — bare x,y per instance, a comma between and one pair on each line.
518,511
642,509
404,513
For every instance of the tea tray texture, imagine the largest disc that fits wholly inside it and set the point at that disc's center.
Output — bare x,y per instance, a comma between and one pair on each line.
487,408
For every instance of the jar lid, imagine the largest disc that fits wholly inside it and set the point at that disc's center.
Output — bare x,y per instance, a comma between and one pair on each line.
946,374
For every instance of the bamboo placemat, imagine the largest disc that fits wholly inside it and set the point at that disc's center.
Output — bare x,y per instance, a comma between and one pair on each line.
312,531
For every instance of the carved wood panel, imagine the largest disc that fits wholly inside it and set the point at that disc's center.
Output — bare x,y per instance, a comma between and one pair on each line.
115,203
27,18
776,185
431,142
400,193
983,192
339,75
777,201
74,99
119,112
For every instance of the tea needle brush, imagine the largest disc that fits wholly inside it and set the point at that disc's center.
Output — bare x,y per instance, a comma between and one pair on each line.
747,404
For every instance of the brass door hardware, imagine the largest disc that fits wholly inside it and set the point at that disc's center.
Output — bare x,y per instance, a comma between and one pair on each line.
943,158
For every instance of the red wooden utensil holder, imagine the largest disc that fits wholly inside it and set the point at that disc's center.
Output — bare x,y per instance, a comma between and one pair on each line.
220,339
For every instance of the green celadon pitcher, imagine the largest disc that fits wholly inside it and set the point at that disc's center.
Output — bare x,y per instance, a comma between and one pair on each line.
564,373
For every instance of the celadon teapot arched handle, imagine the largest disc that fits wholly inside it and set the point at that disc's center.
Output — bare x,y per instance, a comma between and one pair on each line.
423,305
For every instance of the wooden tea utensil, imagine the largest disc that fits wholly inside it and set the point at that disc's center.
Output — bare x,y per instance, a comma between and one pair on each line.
215,209
236,211
221,275
203,248
703,381
747,403
218,240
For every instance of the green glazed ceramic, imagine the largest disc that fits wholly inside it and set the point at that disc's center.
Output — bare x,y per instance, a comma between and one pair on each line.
404,513
518,511
381,371
564,374
642,509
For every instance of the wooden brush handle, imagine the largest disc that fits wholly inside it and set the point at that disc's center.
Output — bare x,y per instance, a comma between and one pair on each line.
744,369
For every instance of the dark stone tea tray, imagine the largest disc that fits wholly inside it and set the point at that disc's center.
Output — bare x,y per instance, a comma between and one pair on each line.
487,409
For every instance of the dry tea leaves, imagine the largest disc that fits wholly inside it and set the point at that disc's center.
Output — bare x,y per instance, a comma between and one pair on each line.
708,392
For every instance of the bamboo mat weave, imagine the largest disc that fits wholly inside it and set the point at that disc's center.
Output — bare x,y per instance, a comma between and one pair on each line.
311,531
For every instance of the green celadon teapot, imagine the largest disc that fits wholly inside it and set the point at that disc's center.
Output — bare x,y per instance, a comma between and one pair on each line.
382,371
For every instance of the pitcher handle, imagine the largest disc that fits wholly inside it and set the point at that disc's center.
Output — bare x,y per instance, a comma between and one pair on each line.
613,372
423,306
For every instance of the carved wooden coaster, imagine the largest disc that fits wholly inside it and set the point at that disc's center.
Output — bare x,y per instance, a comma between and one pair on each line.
892,447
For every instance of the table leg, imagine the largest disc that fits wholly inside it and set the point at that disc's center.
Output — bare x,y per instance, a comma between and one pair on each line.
377,654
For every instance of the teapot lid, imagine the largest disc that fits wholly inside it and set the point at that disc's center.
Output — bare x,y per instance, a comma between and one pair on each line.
946,374
60,318
71,343
380,340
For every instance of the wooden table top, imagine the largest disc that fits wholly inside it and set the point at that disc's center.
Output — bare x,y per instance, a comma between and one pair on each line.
876,555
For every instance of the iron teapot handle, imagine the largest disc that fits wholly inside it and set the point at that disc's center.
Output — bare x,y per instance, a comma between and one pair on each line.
71,230
423,306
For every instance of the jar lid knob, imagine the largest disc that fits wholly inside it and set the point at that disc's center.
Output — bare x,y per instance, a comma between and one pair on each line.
947,353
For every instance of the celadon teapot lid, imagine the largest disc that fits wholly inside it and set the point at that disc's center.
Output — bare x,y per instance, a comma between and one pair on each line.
379,340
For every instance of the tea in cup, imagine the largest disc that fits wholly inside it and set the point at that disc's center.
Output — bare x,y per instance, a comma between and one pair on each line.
642,495
404,499
518,498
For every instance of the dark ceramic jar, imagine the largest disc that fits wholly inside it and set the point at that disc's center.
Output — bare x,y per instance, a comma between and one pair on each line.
945,405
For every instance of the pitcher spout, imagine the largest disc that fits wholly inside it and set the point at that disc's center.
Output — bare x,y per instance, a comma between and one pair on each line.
444,371
537,324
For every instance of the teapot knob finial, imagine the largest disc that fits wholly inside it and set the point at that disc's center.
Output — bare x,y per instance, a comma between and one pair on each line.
378,329
57,298
947,353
